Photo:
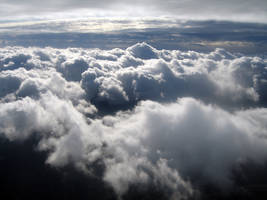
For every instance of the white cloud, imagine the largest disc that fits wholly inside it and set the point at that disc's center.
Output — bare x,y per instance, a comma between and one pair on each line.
155,143
196,140
169,143
137,73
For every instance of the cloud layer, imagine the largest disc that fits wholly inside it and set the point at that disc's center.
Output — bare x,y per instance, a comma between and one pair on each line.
161,33
207,9
171,119
123,77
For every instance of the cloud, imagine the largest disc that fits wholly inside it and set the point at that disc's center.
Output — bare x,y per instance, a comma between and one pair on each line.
161,33
197,141
119,108
143,51
165,75
124,77
227,10
65,133
201,142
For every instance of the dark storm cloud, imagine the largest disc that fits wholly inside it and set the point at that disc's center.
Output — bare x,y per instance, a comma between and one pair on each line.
206,9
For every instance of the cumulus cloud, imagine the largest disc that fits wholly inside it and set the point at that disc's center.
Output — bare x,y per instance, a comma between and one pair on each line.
197,140
155,143
170,74
124,77
67,97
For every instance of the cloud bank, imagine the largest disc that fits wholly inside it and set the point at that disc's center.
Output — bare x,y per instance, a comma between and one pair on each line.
123,77
171,119
161,33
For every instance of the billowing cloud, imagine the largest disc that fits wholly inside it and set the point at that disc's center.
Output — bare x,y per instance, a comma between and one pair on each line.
171,119
155,143
123,77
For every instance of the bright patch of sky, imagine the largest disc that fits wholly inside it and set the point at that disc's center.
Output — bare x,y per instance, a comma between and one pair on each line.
235,10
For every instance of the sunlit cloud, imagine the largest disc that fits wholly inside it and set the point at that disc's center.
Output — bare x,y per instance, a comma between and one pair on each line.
165,119
133,99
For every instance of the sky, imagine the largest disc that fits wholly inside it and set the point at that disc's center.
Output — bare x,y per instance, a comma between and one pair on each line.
126,100
236,10
237,26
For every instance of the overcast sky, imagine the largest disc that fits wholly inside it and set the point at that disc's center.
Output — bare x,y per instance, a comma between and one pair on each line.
237,10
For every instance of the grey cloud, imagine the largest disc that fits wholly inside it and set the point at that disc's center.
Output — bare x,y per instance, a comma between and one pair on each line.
9,84
201,36
207,9
28,88
73,71
143,51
